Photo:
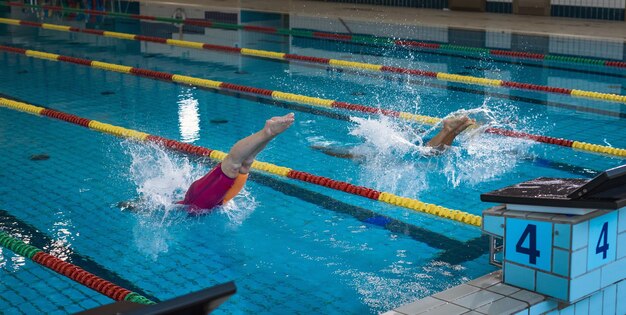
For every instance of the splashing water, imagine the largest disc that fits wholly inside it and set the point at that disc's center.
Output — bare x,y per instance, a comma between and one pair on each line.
239,208
383,134
396,158
481,156
386,143
161,179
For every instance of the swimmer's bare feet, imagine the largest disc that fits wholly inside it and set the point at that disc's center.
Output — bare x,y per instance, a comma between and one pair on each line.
277,125
452,127
457,124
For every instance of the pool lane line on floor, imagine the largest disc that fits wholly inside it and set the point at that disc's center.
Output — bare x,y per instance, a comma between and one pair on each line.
71,271
302,99
563,167
453,251
408,203
12,225
361,66
356,39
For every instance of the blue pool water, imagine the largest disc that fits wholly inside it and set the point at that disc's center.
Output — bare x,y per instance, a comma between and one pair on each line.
290,247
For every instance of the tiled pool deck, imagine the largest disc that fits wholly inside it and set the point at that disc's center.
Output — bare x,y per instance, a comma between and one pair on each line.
485,295
488,295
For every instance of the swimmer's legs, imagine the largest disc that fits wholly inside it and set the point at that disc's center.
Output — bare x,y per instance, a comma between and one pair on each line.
452,127
242,154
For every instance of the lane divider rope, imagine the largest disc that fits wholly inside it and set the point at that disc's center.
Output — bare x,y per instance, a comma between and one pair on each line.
442,76
71,271
409,203
307,100
357,39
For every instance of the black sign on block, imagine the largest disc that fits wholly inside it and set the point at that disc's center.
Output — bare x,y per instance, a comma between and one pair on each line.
605,191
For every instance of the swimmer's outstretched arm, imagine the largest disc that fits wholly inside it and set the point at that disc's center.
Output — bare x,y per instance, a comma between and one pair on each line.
243,153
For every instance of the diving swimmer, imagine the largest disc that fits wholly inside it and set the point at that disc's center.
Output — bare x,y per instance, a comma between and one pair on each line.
226,179
452,127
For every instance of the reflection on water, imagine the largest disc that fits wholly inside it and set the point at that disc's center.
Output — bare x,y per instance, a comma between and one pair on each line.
63,236
188,116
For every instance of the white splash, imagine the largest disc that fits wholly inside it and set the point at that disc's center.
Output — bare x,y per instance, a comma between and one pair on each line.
161,179
386,143
481,156
321,141
239,208
396,159
382,134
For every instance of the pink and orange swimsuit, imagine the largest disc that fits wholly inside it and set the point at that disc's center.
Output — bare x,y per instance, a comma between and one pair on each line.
212,190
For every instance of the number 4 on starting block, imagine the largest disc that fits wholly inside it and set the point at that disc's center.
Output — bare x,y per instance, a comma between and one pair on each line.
529,243
602,243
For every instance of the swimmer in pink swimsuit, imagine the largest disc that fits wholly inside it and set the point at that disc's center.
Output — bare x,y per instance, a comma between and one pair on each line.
225,180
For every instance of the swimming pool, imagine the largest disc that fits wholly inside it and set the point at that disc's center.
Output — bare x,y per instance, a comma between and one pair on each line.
291,247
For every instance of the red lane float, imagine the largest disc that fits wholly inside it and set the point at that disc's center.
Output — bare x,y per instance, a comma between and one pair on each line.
81,276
